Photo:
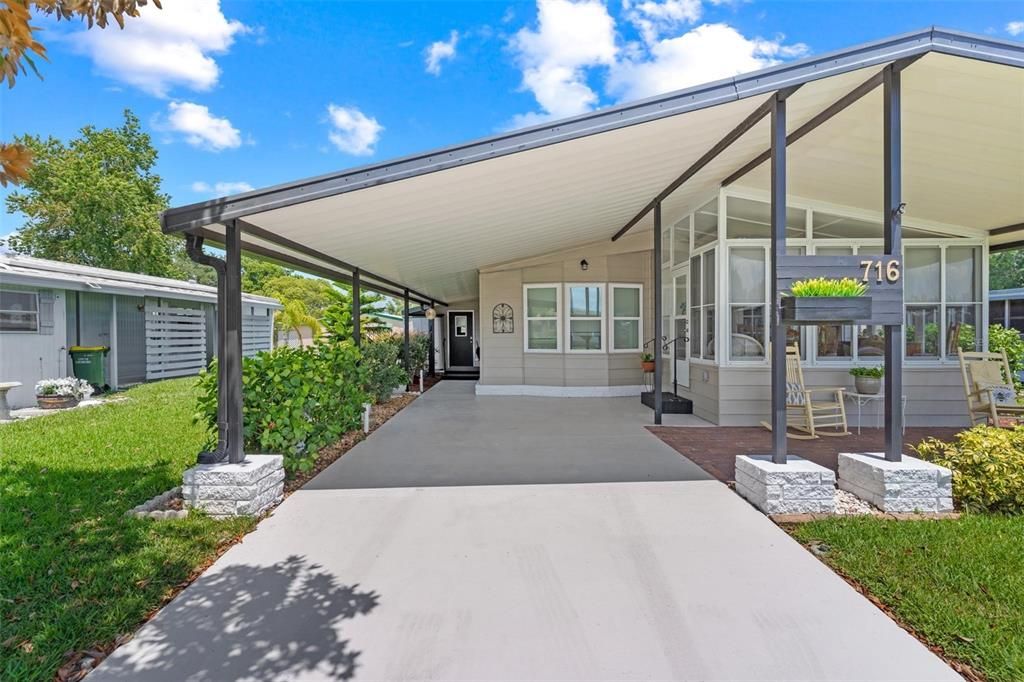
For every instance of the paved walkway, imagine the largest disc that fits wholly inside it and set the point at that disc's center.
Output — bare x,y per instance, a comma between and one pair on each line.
518,539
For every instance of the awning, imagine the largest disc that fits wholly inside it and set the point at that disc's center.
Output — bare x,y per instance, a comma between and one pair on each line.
430,221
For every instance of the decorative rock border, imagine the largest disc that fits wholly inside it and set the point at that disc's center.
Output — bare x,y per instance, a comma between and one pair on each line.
154,507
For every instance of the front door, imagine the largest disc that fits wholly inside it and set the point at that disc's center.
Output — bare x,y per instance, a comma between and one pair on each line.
460,339
681,327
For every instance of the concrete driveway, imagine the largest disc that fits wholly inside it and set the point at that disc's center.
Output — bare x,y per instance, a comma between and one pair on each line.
518,539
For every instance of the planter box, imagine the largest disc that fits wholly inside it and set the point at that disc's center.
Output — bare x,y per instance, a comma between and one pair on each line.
56,402
812,310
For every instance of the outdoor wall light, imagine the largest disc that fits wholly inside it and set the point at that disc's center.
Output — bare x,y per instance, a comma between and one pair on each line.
900,210
430,314
584,264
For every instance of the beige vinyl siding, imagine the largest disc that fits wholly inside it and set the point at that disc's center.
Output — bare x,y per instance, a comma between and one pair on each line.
503,361
935,395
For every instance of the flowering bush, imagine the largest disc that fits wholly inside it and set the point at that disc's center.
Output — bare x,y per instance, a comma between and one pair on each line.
68,387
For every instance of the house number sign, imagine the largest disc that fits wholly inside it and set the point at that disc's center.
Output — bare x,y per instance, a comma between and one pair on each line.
885,271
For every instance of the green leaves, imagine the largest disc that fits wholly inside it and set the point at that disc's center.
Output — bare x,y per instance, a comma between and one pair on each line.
1010,340
822,286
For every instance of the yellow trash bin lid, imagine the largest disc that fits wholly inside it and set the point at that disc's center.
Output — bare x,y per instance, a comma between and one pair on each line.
85,349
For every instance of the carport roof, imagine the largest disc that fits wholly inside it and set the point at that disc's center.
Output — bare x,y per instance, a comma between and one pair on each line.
430,221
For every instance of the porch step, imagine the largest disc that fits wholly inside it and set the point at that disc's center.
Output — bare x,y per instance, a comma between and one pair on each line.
463,374
670,403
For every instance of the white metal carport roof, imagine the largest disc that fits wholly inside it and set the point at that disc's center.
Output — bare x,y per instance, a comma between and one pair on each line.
431,221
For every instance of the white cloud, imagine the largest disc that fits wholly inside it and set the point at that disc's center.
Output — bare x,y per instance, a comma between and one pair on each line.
1015,28
164,48
352,131
439,52
221,188
570,38
201,128
653,19
706,53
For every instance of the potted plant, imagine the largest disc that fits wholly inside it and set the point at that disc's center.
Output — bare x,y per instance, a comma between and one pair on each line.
867,380
647,362
53,394
826,301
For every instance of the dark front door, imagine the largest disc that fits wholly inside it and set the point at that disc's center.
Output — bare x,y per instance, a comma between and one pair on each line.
460,339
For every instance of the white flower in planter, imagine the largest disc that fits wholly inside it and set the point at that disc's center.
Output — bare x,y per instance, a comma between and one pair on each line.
66,387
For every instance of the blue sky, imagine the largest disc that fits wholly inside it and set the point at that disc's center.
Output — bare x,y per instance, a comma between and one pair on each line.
249,93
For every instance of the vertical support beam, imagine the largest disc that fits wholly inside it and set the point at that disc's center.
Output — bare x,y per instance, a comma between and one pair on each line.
778,251
432,360
112,357
658,331
357,333
405,323
892,215
232,345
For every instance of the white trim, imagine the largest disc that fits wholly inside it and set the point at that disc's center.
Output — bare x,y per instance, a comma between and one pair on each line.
560,391
557,286
602,318
612,286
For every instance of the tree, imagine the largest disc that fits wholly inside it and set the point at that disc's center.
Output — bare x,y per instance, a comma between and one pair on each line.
95,201
1006,269
293,317
314,293
18,44
337,318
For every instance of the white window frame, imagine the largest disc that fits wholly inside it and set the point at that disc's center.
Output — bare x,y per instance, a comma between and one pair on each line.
603,319
34,294
613,318
557,318
730,304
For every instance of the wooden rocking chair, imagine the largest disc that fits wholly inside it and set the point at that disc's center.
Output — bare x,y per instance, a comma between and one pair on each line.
806,415
988,387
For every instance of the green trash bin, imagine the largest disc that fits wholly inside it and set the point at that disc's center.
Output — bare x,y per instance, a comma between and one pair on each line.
88,364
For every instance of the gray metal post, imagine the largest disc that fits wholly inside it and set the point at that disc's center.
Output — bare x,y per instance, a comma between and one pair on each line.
405,323
658,331
892,216
233,341
432,362
356,310
778,252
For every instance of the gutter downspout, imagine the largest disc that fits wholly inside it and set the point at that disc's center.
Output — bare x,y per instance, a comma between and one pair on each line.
194,249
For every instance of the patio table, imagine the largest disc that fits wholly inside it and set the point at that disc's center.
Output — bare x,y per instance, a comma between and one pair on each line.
862,399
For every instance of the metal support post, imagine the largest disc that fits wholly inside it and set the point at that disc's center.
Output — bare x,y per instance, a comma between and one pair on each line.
432,361
658,331
778,252
405,322
356,309
233,341
892,216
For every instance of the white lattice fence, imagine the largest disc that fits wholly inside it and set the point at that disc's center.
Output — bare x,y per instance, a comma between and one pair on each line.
175,341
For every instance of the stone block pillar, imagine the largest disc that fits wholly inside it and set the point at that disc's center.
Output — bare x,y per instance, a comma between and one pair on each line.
246,488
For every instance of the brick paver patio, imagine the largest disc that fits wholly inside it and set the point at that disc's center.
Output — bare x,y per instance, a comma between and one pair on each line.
715,449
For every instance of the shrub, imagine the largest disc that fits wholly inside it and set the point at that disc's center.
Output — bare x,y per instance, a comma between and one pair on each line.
419,352
822,286
988,467
295,400
1010,340
382,366
876,372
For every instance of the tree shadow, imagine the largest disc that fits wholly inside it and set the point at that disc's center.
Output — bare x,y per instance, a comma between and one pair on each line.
248,622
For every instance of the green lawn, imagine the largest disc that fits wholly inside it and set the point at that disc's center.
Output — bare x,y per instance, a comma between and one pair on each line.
74,571
960,584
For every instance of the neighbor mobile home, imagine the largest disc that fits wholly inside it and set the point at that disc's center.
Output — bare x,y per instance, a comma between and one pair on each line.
541,246
155,327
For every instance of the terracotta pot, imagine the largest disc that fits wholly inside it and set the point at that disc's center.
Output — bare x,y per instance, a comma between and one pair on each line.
56,402
647,366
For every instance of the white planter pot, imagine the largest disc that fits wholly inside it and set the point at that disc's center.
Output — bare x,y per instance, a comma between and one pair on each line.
867,385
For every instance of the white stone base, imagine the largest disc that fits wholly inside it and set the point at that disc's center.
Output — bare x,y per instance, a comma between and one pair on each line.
911,485
248,488
798,487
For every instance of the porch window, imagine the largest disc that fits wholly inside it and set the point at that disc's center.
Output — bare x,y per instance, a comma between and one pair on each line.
681,242
702,306
923,295
541,303
751,219
586,317
627,321
747,276
963,299
19,311
705,224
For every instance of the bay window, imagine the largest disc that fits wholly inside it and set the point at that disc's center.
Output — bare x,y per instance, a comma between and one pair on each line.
586,317
541,303
627,320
